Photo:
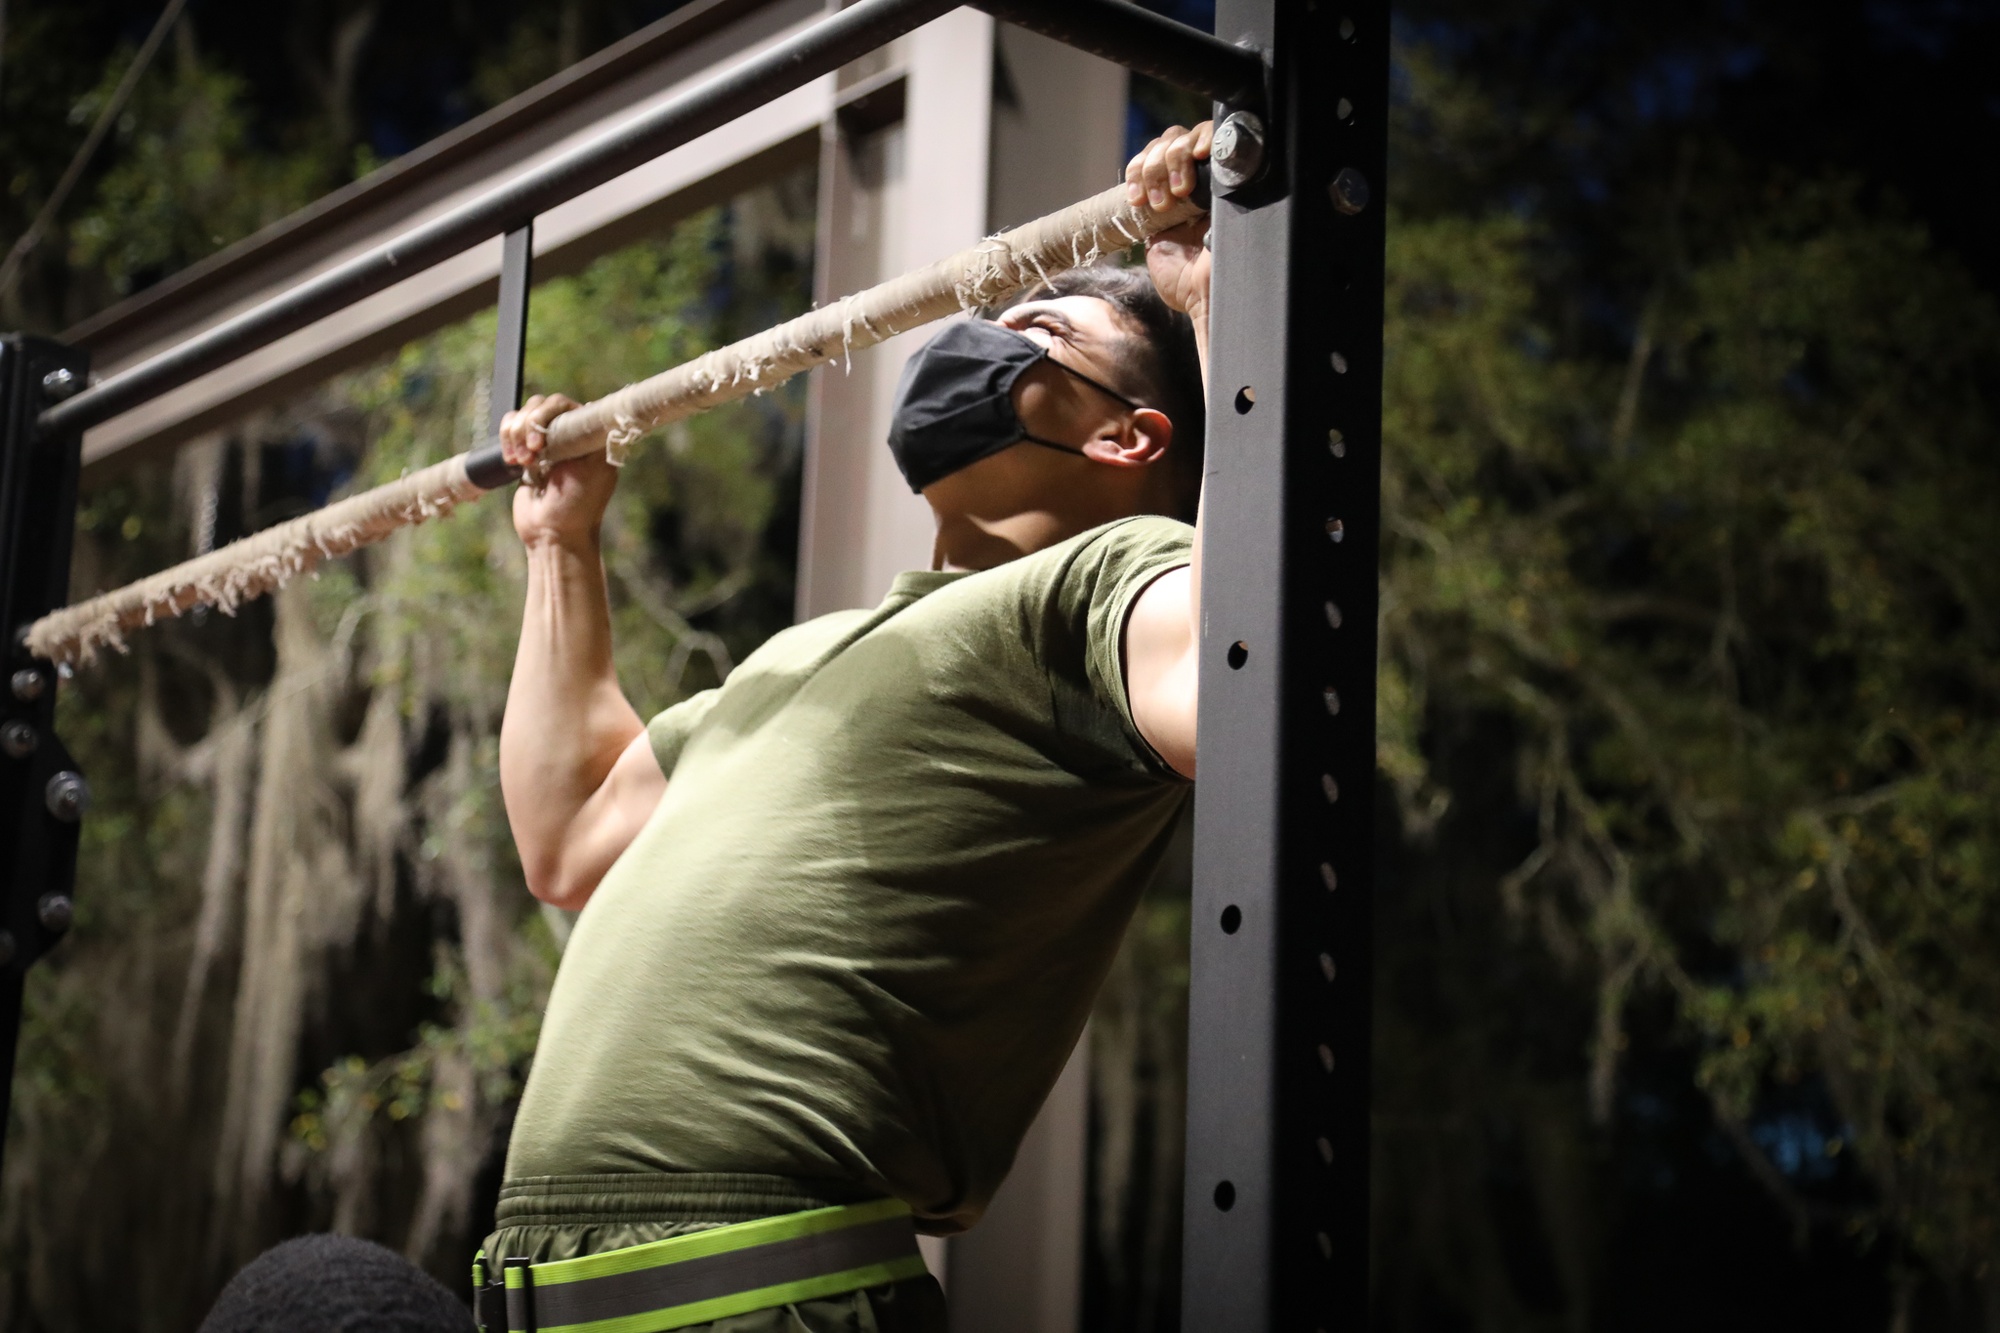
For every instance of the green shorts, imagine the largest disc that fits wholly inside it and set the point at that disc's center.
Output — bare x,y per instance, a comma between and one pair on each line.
546,1218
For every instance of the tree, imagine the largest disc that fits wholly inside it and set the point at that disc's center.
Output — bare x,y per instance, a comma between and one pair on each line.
1690,716
305,980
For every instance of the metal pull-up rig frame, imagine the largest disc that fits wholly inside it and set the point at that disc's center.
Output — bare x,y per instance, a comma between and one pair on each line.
1276,1194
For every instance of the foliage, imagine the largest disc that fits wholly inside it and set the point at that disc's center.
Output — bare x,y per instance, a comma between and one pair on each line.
182,181
1730,602
299,905
351,727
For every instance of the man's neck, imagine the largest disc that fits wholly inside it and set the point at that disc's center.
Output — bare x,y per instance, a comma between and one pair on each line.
968,543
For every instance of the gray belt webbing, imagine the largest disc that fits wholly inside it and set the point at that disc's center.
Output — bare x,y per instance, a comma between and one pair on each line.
705,1275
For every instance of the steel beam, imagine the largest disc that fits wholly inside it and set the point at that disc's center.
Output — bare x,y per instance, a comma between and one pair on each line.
510,339
408,185
1143,42
1277,1161
42,796
1120,31
790,64
487,466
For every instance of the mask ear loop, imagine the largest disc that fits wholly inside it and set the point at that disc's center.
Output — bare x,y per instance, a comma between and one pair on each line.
1052,444
1098,385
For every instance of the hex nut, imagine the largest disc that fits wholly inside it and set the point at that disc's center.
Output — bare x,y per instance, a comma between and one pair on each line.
56,911
18,739
28,684
67,796
1236,154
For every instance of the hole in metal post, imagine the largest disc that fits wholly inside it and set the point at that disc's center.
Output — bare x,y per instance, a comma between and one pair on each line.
1225,1196
1339,363
1350,192
1337,443
1239,653
1232,919
1246,398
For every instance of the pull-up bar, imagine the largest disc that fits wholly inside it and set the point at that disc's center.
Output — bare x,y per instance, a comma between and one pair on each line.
264,561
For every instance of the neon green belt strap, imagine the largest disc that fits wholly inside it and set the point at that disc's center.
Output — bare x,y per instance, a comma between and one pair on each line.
705,1275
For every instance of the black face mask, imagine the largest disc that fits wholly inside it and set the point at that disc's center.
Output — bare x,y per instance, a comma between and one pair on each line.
955,401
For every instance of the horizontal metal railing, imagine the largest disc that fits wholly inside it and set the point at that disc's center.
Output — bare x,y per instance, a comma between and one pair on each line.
1133,37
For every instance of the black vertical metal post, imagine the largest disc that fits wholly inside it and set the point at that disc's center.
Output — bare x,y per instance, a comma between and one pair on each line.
510,341
1277,1160
42,796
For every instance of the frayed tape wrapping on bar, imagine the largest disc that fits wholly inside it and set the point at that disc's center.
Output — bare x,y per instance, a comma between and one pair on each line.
987,273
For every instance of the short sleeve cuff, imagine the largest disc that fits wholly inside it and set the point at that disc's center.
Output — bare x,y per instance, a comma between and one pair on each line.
669,731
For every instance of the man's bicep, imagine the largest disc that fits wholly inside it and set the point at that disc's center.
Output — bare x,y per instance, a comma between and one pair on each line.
609,821
1160,668
634,786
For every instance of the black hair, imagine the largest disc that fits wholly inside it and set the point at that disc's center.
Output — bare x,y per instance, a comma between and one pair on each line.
1160,366
335,1284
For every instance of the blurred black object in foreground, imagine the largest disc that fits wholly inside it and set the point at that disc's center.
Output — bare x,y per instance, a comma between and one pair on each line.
335,1284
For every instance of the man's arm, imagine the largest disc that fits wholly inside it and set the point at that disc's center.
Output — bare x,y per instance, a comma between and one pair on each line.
576,770
1163,632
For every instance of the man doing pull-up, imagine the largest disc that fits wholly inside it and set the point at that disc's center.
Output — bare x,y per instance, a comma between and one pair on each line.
845,916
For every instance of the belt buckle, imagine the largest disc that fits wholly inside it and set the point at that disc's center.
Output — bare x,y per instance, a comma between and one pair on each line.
517,1302
489,1308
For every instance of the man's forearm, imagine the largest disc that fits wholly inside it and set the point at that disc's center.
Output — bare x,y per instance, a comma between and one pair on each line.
567,721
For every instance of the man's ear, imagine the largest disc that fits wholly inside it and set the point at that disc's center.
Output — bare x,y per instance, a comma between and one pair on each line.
1139,440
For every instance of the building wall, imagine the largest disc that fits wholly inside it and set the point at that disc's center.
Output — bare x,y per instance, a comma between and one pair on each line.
1000,126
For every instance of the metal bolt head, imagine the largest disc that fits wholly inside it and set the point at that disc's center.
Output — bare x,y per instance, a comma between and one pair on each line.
68,796
61,383
28,684
1350,191
56,911
18,739
1236,154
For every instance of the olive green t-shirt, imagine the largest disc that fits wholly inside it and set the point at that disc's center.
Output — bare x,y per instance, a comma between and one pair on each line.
861,933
